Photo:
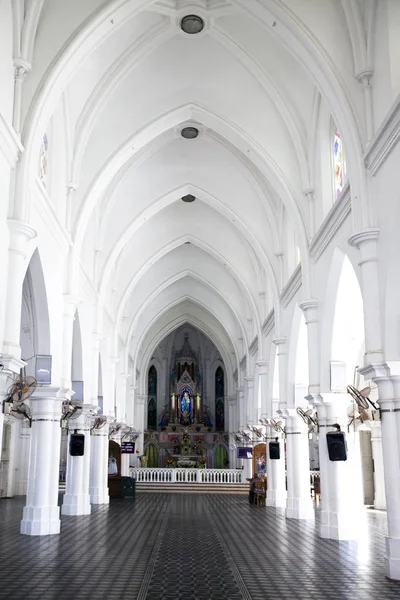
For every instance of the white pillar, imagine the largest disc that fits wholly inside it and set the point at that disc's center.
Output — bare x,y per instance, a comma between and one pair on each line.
341,486
98,475
125,465
377,457
276,477
310,308
366,241
389,402
232,405
250,408
140,405
41,515
94,384
240,408
263,383
70,304
20,235
282,365
298,504
11,367
76,498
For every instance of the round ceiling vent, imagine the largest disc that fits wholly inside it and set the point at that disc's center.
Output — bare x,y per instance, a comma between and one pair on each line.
190,133
192,24
188,198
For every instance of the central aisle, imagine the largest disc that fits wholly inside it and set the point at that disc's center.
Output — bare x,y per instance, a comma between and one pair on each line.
192,547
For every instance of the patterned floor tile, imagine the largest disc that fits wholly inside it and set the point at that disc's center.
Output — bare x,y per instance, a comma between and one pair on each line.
190,547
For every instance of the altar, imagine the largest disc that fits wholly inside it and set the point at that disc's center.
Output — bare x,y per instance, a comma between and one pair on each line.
184,435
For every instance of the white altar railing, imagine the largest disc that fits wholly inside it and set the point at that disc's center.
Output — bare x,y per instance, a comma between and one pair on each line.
228,476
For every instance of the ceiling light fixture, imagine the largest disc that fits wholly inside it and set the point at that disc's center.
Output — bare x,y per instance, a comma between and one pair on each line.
188,198
192,24
189,133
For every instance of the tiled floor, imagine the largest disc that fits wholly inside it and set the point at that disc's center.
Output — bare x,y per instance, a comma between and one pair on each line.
191,547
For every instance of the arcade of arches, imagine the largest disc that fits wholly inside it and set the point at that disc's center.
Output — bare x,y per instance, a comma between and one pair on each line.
199,236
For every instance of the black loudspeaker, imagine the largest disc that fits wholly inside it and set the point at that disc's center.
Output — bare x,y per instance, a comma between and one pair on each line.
77,444
337,447
274,450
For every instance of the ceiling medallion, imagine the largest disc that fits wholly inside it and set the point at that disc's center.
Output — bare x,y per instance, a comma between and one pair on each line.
192,24
189,133
188,198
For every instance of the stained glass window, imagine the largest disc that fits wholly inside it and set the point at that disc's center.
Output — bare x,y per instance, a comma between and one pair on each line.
43,163
339,164
219,400
152,399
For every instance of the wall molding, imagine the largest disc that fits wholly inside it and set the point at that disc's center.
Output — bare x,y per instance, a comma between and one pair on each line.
384,140
291,287
254,346
331,224
10,143
269,323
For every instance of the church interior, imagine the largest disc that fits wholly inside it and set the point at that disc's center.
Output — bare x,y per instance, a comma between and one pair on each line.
199,316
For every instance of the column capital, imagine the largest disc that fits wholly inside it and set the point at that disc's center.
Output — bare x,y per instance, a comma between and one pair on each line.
20,234
308,305
249,380
360,238
279,341
366,242
140,399
262,363
364,76
232,400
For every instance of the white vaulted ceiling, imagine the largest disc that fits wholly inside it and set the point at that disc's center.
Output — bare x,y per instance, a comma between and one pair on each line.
129,80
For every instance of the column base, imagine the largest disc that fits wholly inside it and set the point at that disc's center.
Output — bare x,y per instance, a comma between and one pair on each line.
298,508
40,520
335,526
76,504
392,558
276,498
99,495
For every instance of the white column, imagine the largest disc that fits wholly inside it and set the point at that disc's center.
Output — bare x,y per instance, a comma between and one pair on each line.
389,402
366,242
94,384
98,475
70,304
298,503
20,235
310,311
76,498
377,457
282,365
341,486
11,367
276,477
41,515
241,408
232,406
250,412
263,383
140,406
125,465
